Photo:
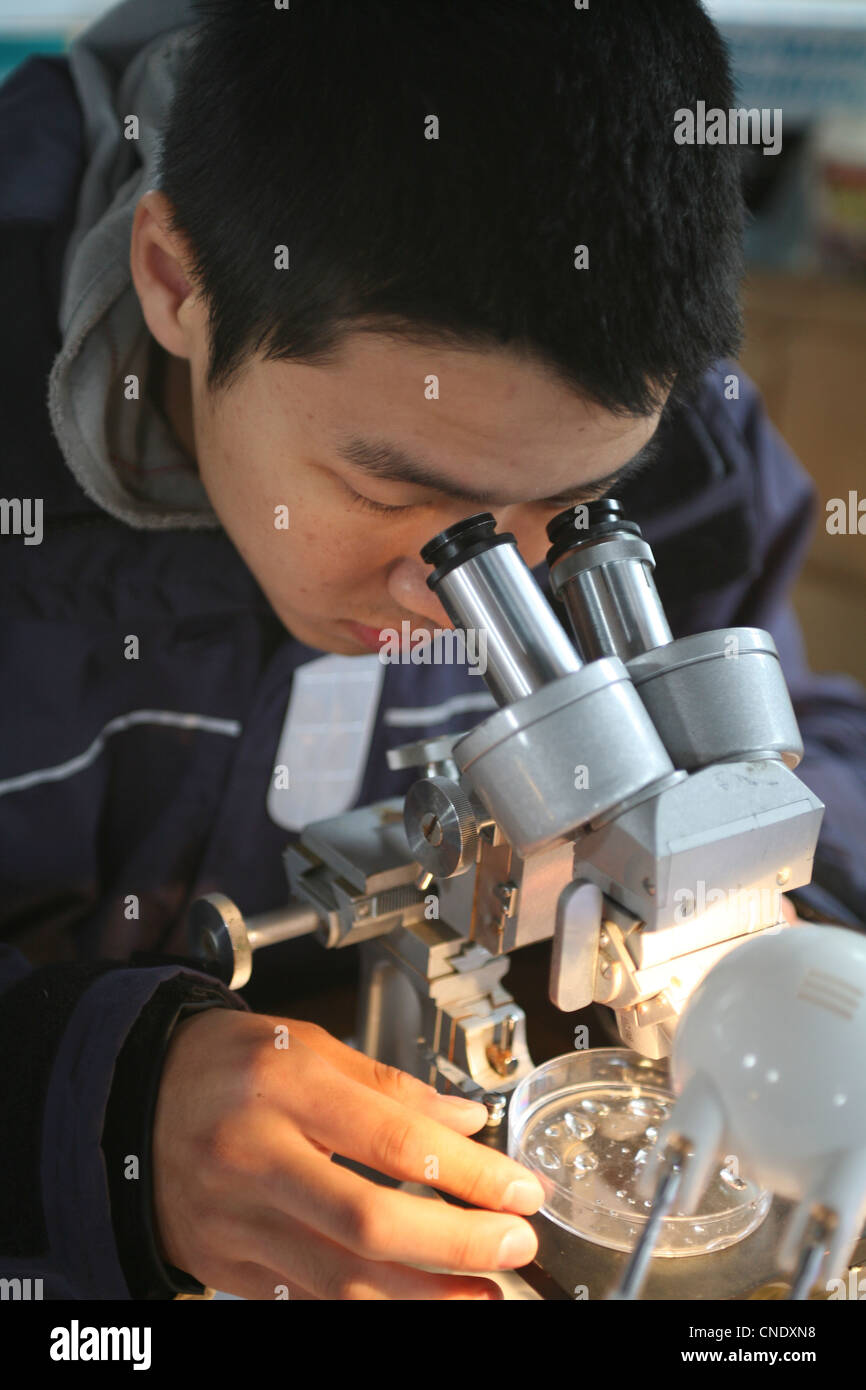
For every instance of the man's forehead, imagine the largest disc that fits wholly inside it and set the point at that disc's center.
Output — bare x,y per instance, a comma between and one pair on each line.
471,423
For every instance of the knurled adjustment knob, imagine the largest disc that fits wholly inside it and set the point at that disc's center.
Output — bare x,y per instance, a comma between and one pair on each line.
441,826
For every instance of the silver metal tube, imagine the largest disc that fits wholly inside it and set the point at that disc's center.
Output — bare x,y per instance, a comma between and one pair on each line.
495,593
608,589
816,1242
637,1268
282,924
615,611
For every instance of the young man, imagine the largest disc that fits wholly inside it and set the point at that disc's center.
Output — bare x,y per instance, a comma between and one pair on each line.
302,288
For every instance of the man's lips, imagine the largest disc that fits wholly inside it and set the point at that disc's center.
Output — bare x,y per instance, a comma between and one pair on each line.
369,636
374,637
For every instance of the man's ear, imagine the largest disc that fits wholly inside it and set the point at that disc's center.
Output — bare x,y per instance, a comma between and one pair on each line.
157,257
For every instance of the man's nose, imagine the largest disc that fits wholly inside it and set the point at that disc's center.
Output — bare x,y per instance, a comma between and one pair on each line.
407,579
407,585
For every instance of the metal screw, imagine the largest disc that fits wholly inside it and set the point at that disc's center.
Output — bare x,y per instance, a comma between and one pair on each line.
507,894
499,1053
431,828
496,1104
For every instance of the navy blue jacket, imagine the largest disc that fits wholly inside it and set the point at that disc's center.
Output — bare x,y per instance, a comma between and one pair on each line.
101,798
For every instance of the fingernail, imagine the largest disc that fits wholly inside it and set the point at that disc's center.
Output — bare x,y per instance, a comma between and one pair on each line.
467,1106
517,1248
524,1196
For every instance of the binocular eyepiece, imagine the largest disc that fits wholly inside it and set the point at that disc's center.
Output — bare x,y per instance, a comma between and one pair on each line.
600,568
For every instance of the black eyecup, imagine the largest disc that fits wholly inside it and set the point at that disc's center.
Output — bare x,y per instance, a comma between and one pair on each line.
460,542
605,518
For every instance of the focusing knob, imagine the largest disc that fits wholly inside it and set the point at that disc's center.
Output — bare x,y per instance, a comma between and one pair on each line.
218,933
441,826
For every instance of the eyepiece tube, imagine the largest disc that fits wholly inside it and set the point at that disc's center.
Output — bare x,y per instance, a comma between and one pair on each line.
484,584
601,569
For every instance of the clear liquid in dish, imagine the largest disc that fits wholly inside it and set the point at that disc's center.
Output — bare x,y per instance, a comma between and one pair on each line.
590,1144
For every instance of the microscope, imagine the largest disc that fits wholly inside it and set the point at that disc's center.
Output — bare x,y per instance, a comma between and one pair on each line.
632,800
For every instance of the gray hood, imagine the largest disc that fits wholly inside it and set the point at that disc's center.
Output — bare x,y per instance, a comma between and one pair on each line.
121,451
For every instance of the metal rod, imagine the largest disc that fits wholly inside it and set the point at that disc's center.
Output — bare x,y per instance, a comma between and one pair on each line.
808,1269
667,1186
282,924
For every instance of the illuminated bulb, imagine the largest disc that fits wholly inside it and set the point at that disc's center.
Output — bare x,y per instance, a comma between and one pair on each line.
767,1066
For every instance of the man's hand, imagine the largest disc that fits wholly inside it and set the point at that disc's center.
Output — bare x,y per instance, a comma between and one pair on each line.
791,915
247,1200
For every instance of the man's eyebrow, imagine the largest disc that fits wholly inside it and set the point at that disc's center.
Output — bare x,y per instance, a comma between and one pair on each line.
395,464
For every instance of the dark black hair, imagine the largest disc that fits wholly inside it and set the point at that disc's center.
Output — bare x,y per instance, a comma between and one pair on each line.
305,127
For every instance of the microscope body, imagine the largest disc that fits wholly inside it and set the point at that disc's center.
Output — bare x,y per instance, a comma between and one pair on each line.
632,799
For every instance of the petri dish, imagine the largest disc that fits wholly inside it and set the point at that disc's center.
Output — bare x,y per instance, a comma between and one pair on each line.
586,1124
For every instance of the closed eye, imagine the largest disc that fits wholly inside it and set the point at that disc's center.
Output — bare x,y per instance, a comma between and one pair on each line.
384,509
380,507
591,492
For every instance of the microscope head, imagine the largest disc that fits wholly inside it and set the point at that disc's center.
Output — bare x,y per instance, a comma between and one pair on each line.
633,798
